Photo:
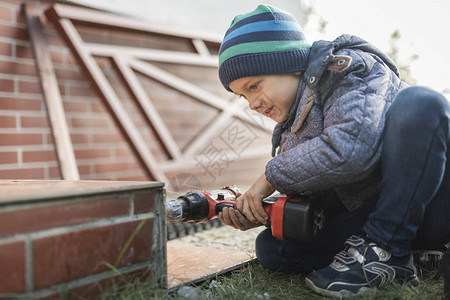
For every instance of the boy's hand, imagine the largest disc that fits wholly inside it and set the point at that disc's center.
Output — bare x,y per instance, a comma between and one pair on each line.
234,218
250,203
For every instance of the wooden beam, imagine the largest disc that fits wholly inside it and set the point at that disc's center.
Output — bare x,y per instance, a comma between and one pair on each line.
55,110
96,18
173,57
146,106
201,48
73,39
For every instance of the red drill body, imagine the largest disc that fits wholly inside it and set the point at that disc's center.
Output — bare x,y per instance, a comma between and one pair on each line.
294,218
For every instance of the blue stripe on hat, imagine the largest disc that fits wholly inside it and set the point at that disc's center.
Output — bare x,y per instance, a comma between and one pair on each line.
271,25
263,36
262,17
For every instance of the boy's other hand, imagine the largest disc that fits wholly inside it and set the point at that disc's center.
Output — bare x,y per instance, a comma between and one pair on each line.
234,218
250,203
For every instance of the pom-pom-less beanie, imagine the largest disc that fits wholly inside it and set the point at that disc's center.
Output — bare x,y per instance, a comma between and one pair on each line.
266,41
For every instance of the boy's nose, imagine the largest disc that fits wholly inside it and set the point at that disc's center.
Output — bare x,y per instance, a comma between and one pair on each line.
255,103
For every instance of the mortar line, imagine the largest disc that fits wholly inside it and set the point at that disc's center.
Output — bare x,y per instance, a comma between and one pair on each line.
132,204
76,227
58,288
29,266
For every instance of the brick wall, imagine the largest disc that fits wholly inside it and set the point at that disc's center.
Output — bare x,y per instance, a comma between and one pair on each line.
27,150
57,236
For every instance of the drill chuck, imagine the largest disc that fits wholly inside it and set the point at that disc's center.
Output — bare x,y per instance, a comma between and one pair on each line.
192,207
195,207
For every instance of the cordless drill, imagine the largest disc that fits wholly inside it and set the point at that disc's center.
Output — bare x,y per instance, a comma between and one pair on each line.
291,218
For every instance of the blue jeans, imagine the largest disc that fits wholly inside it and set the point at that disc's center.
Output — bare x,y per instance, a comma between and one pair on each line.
413,209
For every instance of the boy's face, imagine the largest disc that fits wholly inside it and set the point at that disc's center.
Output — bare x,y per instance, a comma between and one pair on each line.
270,95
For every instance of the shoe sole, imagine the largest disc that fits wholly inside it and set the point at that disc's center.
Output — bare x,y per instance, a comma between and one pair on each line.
341,293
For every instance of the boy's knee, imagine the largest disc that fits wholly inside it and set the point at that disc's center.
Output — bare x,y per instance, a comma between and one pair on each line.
267,250
421,100
418,105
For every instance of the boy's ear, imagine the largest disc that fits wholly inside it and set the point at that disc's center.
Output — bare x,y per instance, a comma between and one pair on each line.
298,73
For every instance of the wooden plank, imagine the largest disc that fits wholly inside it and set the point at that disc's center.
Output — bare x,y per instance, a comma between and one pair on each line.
55,110
107,93
96,18
201,48
174,57
188,264
149,111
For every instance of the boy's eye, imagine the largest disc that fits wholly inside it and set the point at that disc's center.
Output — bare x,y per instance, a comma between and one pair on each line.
254,86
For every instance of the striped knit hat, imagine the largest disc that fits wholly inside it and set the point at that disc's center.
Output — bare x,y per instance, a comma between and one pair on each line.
266,41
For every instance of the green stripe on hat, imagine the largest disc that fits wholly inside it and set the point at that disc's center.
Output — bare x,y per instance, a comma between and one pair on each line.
259,10
262,47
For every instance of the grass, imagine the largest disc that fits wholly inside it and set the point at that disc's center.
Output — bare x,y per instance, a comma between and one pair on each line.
254,282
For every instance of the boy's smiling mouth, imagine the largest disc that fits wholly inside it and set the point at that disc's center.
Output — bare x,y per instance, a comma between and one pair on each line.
268,112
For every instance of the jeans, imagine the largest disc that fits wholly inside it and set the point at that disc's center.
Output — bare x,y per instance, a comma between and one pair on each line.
413,208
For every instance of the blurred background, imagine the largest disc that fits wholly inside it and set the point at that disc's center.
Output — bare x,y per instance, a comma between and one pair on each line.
414,32
209,137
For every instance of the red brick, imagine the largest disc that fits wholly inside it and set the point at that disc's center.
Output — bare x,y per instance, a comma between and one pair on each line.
34,122
48,139
115,167
54,173
5,14
7,121
136,177
12,264
76,106
35,156
67,74
17,68
107,138
62,214
14,32
58,57
80,253
28,87
90,122
24,52
84,170
124,152
91,153
80,138
144,202
5,49
17,139
82,91
26,173
99,107
6,85
8,157
20,104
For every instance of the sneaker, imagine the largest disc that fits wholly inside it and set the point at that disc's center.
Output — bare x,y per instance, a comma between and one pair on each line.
362,267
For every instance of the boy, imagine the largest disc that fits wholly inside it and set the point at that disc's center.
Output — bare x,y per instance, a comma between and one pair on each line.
350,132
